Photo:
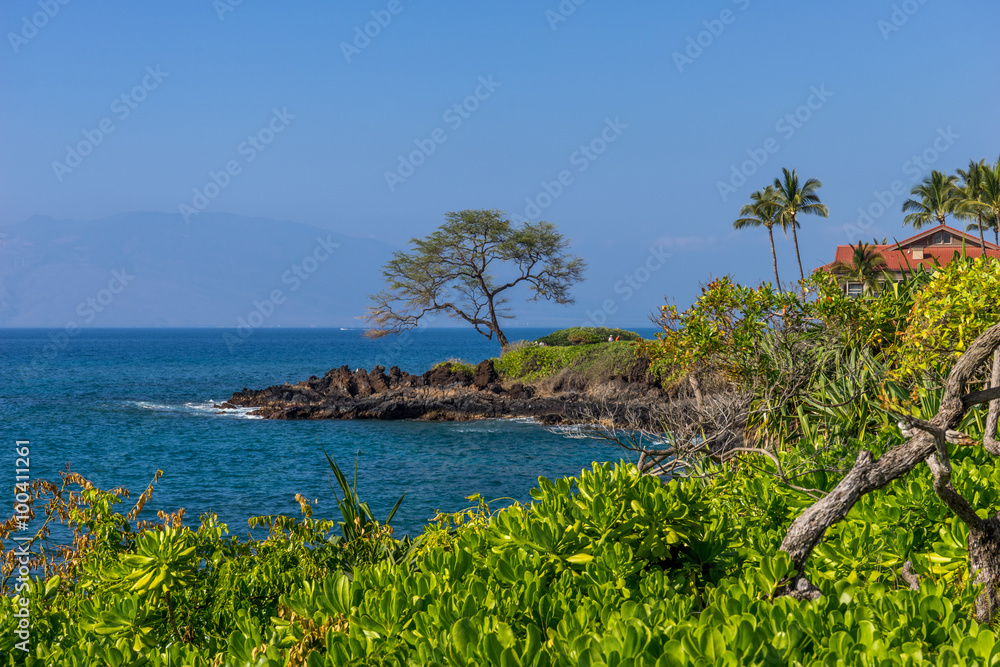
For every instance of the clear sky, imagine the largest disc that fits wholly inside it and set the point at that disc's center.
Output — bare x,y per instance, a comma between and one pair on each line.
667,98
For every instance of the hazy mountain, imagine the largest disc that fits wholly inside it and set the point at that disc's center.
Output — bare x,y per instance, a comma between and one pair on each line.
153,269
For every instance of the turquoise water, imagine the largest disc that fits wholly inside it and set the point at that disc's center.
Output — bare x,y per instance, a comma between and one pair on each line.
120,404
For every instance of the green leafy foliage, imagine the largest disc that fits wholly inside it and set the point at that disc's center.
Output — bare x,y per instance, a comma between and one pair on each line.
959,302
722,328
459,365
586,336
534,362
822,367
609,568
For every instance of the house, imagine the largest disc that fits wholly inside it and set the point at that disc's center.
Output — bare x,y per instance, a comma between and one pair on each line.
931,247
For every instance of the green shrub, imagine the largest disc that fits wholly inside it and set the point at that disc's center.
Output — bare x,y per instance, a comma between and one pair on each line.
534,362
586,336
616,568
457,365
607,568
959,302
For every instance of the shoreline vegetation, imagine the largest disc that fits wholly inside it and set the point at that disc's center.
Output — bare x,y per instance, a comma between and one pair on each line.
814,483
571,376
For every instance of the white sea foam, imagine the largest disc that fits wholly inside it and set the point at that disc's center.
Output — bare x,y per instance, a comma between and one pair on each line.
574,431
159,407
204,408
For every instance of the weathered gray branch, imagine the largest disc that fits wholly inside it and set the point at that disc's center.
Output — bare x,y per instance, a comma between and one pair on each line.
867,475
989,438
984,396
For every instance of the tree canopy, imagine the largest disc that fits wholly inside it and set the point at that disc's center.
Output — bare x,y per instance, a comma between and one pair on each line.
867,266
795,199
467,268
936,198
764,210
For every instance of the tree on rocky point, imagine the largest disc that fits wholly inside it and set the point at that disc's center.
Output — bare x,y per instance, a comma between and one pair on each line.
466,270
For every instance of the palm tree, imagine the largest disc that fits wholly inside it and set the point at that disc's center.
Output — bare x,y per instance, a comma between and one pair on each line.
866,267
793,200
988,222
971,195
763,211
991,197
938,197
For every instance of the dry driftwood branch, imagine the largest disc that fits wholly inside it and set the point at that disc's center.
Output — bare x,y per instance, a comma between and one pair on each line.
989,439
685,433
984,396
868,474
909,576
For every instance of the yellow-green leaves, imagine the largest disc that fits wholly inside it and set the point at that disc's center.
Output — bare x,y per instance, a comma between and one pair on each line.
163,561
579,559
960,302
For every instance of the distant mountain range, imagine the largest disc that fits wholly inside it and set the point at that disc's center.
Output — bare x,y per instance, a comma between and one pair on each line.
155,270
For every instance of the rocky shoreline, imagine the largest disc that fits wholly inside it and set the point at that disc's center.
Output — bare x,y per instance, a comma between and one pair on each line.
445,393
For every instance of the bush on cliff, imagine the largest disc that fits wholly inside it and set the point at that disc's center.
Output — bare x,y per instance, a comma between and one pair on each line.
457,365
534,362
586,336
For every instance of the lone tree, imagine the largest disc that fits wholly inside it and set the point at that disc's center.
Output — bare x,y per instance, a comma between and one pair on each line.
795,199
466,268
764,210
938,196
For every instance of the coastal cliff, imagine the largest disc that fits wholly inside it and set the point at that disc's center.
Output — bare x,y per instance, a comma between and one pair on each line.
446,393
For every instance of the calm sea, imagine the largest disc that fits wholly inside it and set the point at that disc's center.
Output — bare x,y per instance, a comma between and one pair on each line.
120,404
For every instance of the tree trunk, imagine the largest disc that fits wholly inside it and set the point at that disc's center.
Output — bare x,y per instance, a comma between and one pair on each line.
774,258
867,475
993,415
984,535
982,239
495,326
699,398
984,566
795,237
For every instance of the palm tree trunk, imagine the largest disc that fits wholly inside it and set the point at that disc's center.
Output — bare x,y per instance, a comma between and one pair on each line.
795,237
982,239
774,257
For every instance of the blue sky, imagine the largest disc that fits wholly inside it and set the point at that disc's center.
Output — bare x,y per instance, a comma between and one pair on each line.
682,93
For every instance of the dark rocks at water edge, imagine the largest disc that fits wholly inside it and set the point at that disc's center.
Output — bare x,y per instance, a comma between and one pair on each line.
445,393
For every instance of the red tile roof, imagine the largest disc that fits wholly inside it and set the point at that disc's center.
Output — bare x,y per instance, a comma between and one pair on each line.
902,260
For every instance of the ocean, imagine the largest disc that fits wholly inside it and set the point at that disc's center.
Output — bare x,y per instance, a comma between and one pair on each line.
118,404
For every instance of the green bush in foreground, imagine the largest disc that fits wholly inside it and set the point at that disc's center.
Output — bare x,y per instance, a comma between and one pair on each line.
609,568
586,336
